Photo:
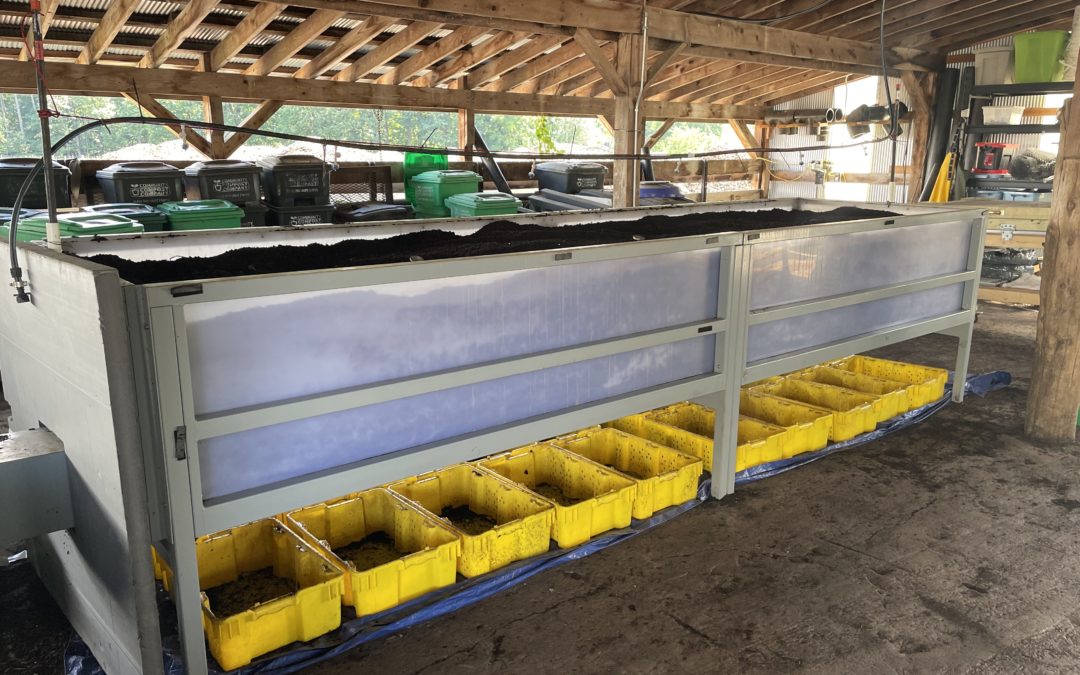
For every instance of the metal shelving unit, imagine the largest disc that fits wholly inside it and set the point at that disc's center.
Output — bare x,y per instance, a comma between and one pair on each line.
760,304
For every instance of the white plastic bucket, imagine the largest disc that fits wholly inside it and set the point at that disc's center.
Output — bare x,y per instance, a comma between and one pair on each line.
1002,114
994,65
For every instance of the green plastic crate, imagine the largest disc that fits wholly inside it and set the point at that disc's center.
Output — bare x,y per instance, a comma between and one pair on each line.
1038,56
76,225
417,163
203,214
431,189
471,204
151,218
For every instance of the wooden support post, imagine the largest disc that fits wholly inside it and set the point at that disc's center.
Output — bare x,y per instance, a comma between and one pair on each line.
466,130
764,177
214,112
1055,380
626,173
921,92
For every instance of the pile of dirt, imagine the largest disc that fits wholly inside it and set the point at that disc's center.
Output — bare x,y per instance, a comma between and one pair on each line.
467,520
373,550
497,237
250,589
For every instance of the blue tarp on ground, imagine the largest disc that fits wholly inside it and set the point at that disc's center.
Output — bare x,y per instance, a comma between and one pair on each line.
79,661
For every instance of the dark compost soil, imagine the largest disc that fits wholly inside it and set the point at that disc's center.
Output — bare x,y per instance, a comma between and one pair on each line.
497,237
373,550
467,520
252,588
555,493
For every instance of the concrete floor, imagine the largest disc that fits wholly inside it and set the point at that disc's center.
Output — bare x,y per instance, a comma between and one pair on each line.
950,547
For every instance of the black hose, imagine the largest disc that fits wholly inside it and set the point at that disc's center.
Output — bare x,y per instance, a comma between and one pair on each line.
13,228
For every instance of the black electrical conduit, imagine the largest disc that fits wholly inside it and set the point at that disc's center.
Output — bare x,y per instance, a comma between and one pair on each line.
16,272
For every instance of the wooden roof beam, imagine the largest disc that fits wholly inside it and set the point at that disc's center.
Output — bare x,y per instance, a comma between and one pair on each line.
253,23
385,52
294,42
459,39
179,28
494,69
603,65
368,30
111,25
469,57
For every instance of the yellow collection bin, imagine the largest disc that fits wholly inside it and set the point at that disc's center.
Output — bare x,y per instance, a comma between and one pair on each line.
853,412
759,443
925,384
309,606
410,554
498,522
808,426
664,476
892,396
589,499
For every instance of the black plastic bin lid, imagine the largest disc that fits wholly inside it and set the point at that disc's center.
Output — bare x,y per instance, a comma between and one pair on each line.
291,161
568,167
24,164
138,167
220,166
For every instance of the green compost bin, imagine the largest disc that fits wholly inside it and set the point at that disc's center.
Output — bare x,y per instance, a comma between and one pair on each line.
152,219
470,204
76,225
417,163
1038,56
433,188
203,214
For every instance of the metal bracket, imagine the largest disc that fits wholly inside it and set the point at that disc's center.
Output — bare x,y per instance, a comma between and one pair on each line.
180,440
1007,231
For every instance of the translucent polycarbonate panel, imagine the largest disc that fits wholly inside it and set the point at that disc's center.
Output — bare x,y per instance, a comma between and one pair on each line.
262,456
817,267
810,330
259,350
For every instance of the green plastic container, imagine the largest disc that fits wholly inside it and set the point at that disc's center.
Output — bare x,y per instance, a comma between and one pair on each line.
152,219
432,188
469,204
77,225
417,163
1038,56
203,214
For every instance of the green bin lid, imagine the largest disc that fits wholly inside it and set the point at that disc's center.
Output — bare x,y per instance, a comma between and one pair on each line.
200,209
447,176
483,200
82,224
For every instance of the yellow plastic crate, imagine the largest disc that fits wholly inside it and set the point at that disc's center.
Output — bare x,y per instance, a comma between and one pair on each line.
429,548
892,396
808,427
665,477
925,384
312,610
522,520
606,496
759,443
853,412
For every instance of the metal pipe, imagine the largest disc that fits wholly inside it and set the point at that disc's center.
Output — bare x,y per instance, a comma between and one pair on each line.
52,227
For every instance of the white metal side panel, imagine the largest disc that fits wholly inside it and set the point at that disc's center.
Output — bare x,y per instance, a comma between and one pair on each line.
52,357
794,270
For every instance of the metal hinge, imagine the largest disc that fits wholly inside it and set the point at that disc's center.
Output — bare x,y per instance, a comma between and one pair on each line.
180,441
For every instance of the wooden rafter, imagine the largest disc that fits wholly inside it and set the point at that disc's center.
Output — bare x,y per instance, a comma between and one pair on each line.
179,28
368,30
294,41
603,64
439,50
495,68
253,23
468,58
525,77
111,24
48,12
385,52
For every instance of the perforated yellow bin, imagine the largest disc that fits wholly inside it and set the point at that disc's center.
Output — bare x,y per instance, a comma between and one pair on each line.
688,427
589,499
808,426
892,396
521,526
925,384
415,554
312,609
665,477
853,412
